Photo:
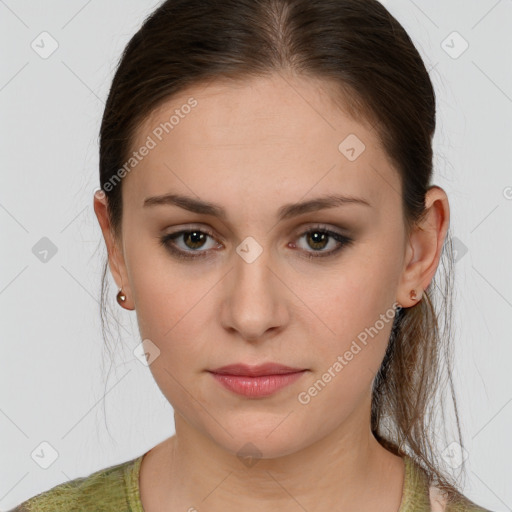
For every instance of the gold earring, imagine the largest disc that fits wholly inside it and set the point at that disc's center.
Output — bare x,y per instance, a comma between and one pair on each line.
413,295
121,297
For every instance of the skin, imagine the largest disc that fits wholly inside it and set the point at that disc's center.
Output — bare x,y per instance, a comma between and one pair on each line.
252,147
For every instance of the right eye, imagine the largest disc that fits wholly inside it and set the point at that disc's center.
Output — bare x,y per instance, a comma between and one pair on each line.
193,239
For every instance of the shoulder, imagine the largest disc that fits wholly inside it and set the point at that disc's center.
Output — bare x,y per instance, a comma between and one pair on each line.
102,491
421,494
439,503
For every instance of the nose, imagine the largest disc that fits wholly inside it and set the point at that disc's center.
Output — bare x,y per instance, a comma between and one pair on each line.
254,305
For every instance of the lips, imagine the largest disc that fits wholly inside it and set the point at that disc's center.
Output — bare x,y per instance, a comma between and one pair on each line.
241,369
258,381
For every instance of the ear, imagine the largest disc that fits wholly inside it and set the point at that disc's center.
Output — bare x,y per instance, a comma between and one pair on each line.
424,246
115,253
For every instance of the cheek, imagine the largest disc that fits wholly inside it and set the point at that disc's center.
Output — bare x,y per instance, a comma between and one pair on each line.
175,312
348,361
166,297
354,317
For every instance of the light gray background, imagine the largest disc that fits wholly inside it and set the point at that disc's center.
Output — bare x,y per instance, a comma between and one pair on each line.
53,385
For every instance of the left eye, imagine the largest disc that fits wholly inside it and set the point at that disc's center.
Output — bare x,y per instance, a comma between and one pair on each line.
193,240
318,238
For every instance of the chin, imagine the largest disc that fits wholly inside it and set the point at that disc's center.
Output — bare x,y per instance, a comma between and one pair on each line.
255,444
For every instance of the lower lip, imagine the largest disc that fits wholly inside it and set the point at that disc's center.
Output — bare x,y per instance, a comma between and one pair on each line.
256,387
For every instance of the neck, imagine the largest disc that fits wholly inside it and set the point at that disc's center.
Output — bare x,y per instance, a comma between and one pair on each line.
347,470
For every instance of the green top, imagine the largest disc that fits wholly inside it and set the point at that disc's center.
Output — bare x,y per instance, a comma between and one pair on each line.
116,488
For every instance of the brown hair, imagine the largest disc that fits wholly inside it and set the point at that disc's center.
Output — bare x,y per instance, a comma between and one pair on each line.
381,79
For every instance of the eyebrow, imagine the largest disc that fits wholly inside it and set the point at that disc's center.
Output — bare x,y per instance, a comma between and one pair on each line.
285,212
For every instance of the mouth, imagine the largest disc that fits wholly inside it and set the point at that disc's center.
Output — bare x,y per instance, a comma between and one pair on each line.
242,369
256,381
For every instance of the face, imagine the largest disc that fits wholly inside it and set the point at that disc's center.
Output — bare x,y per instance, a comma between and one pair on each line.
311,288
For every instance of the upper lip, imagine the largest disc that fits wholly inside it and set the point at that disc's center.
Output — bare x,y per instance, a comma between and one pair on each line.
256,370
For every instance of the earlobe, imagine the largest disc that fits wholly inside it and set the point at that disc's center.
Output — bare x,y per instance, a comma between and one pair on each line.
414,297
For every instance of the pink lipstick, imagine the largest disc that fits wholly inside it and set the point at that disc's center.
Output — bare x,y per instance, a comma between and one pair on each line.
256,381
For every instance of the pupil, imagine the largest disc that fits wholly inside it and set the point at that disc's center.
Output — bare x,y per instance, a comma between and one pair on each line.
318,238
195,237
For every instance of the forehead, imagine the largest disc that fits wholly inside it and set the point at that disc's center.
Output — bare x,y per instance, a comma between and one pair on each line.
275,134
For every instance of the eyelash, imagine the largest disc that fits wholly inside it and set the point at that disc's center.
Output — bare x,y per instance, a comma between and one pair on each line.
167,242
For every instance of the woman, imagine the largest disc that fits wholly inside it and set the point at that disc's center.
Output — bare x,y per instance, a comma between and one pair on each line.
267,205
